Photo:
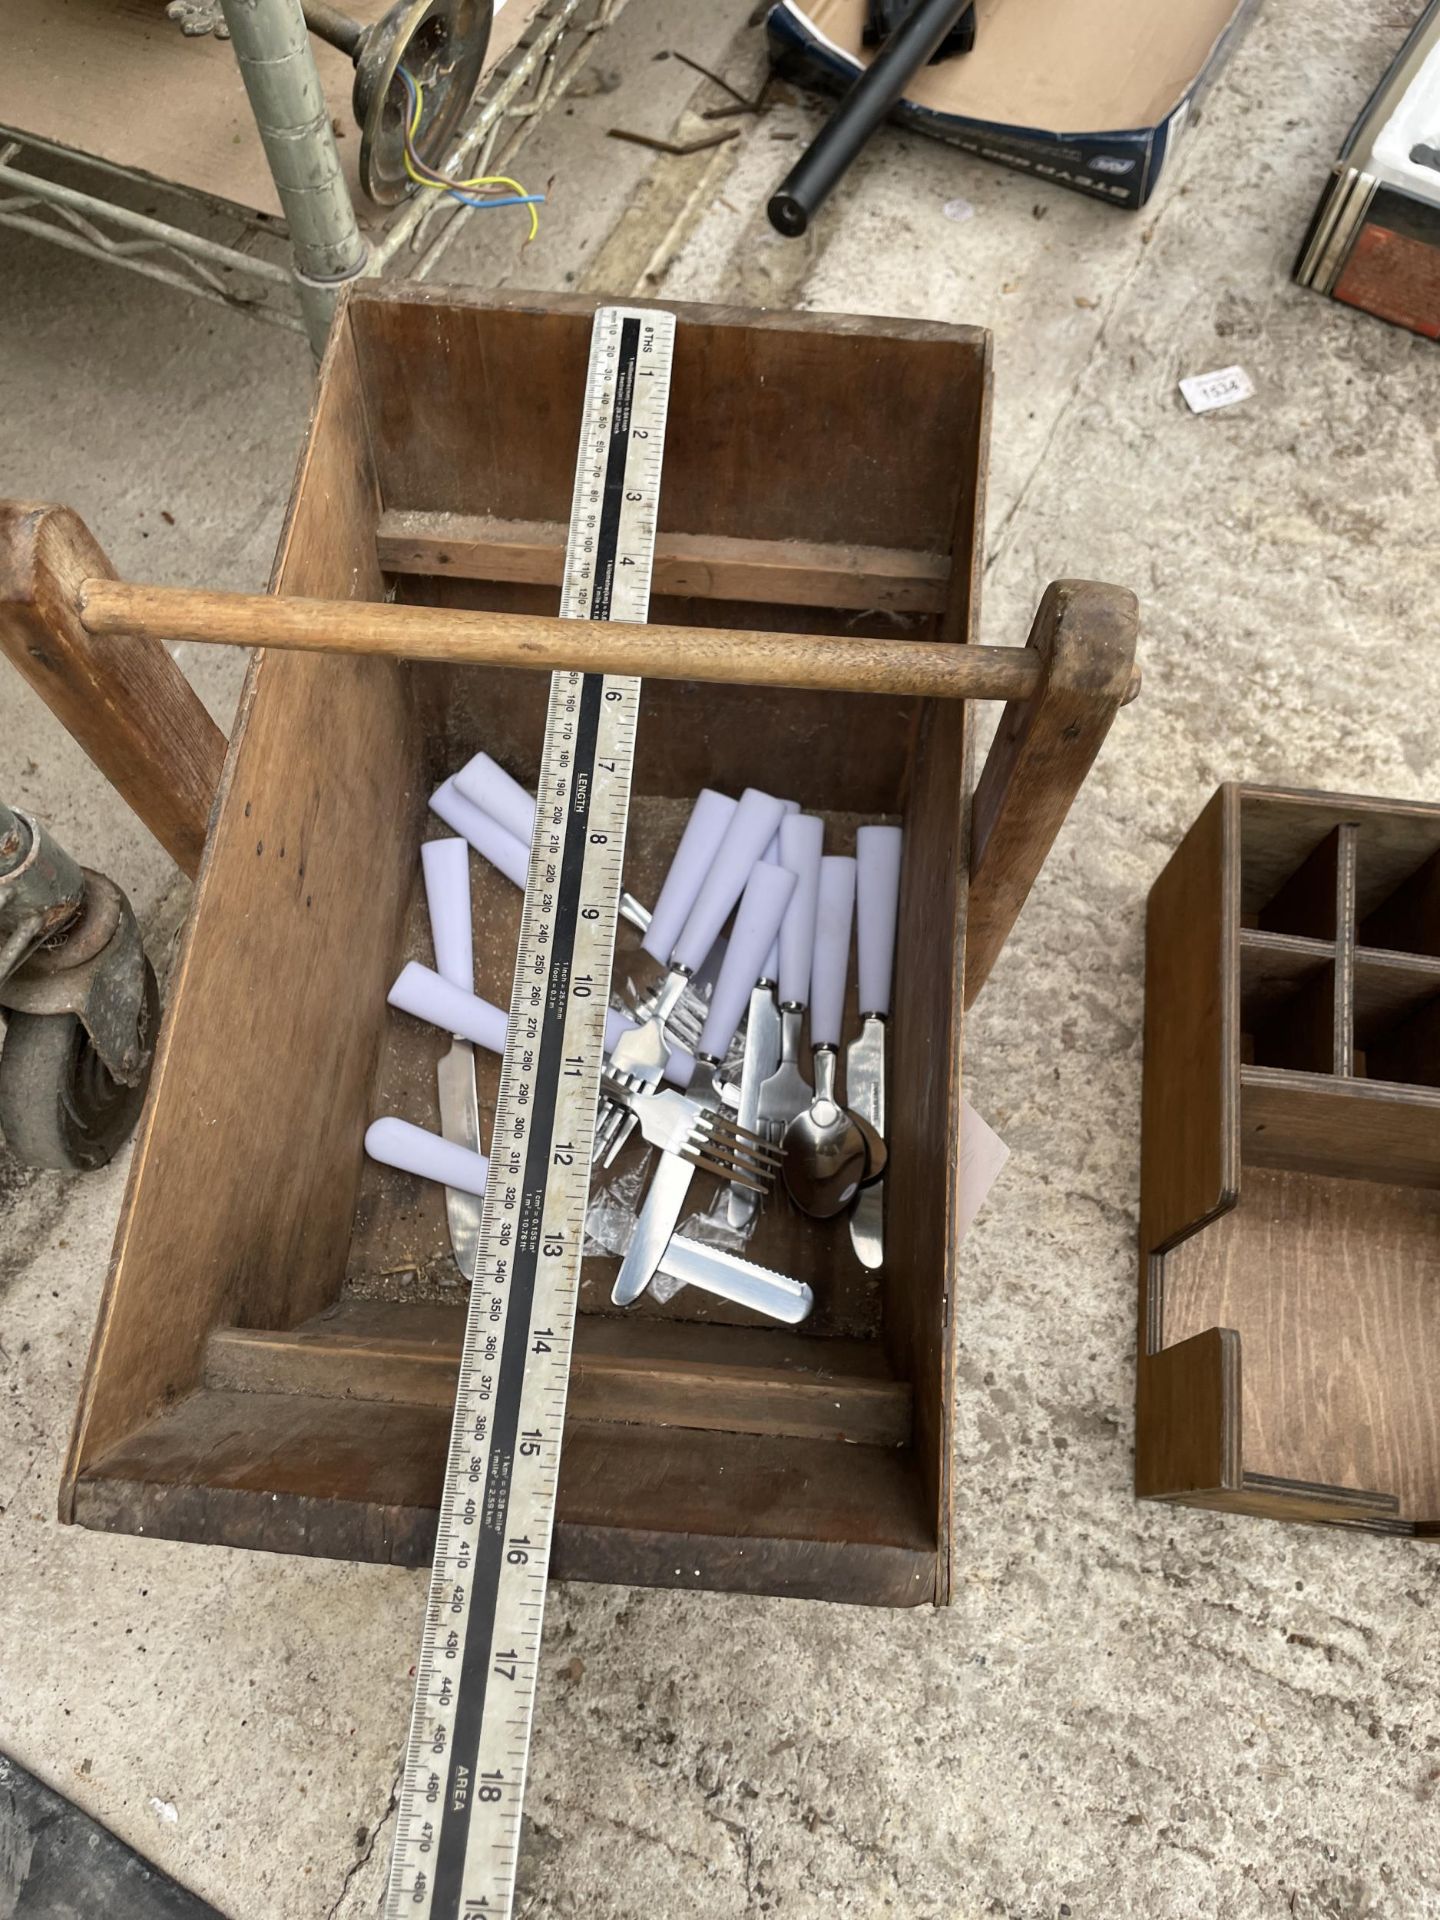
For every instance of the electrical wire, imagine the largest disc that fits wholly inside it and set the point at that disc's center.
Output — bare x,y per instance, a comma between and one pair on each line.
427,176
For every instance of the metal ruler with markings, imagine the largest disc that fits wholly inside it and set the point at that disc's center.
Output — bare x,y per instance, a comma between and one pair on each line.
462,1785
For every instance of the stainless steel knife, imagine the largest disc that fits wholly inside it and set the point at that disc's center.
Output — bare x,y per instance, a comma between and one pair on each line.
865,1096
460,1122
877,879
761,1059
447,894
669,1185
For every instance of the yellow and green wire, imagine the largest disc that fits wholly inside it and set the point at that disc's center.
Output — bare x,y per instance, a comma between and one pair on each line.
427,176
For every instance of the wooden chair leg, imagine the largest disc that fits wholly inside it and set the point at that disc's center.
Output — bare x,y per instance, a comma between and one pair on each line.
1085,634
123,699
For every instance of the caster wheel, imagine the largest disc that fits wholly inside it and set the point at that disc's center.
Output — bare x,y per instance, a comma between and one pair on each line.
59,1105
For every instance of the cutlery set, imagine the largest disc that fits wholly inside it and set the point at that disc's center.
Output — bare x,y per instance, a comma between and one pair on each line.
757,864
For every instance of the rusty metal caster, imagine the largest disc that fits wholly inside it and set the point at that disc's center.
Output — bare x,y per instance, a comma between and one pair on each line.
82,1004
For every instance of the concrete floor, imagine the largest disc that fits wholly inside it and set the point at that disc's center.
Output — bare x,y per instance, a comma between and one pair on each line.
1128,1709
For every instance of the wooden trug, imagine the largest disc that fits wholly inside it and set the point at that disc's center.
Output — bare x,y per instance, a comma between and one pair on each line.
276,1343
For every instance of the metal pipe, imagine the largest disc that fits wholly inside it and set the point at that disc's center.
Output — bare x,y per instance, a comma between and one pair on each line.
156,230
118,258
339,29
818,170
76,243
277,64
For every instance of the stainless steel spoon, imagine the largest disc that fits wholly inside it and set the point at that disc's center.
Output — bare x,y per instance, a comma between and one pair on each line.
826,1156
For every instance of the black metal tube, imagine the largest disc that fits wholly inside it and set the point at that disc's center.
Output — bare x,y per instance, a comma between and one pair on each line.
340,29
818,170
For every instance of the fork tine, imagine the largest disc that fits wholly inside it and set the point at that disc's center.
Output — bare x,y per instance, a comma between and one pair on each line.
724,1123
734,1157
722,1170
735,1139
742,1163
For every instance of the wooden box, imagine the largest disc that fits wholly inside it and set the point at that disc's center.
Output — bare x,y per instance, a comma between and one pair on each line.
275,1358
1290,1187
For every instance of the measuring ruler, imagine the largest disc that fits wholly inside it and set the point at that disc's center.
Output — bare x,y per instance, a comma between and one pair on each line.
457,1832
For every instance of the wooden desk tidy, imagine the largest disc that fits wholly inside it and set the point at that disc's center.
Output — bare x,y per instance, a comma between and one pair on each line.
1290,1181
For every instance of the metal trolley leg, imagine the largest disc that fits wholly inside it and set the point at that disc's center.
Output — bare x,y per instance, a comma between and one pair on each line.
277,63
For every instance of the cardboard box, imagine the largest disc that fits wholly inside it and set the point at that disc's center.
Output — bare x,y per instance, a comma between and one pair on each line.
1088,93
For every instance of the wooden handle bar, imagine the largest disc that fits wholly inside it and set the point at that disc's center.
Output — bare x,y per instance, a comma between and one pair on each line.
834,664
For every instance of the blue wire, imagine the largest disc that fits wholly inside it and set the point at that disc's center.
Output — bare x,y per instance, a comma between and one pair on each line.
508,200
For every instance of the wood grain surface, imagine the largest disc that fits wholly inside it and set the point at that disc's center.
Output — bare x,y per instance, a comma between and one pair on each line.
1333,1286
243,1177
702,566
122,695
546,643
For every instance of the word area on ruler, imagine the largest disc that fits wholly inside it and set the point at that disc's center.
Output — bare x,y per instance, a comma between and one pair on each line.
462,1784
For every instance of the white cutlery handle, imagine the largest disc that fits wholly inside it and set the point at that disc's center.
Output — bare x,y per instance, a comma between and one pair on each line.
802,841
772,858
421,991
447,895
399,1143
834,913
679,1068
744,1285
486,783
490,840
704,830
877,907
752,827
762,908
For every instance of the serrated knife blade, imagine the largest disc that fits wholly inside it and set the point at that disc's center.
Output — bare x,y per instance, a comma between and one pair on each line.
741,1282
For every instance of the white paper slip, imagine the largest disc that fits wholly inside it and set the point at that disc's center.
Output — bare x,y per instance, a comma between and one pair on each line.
982,1154
1205,391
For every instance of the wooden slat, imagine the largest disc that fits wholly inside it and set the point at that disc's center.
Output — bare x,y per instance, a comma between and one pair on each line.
1187,1417
1187,1405
784,426
920,1286
1312,1123
123,698
1044,747
386,629
700,566
350,1480
243,1177
657,1373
